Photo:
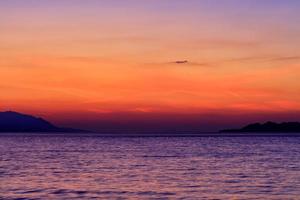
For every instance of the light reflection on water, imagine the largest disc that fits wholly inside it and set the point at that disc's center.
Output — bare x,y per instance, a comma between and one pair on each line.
65,167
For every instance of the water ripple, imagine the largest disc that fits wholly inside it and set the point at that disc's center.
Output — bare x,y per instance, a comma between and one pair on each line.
33,167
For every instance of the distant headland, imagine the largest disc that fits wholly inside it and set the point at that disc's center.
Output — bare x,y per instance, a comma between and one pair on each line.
268,127
14,122
17,122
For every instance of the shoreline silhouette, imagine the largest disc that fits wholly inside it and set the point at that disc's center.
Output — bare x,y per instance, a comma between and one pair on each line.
11,121
14,122
268,127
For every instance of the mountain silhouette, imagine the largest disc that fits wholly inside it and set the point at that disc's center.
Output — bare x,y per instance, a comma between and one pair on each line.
17,122
268,127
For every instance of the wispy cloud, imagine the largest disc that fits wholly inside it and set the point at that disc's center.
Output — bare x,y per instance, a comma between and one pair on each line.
264,58
181,62
285,58
258,59
189,63
178,63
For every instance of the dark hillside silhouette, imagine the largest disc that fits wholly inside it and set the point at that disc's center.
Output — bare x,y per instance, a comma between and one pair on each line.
268,127
17,122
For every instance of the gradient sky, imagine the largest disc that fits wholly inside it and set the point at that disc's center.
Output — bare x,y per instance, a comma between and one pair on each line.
104,63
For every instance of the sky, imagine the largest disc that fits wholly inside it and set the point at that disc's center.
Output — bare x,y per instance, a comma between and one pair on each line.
205,64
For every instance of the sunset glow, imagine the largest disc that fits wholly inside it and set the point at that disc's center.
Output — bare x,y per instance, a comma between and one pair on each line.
101,60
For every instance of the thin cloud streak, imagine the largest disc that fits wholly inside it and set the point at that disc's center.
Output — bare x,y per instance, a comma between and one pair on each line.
186,63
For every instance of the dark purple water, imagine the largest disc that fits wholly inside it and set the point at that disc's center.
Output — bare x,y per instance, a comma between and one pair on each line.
66,167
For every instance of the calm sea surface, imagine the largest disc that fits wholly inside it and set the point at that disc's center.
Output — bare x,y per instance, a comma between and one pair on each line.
69,167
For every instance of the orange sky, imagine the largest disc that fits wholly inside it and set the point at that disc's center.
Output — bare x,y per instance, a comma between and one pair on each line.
57,57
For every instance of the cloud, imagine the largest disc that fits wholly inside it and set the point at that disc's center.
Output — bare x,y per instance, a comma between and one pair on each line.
188,63
286,58
178,63
249,59
270,58
181,62
260,59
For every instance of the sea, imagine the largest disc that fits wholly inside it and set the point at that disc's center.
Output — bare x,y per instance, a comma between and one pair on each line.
94,167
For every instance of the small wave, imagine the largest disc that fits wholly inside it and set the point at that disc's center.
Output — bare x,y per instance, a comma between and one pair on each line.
150,193
31,191
65,191
111,192
161,156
